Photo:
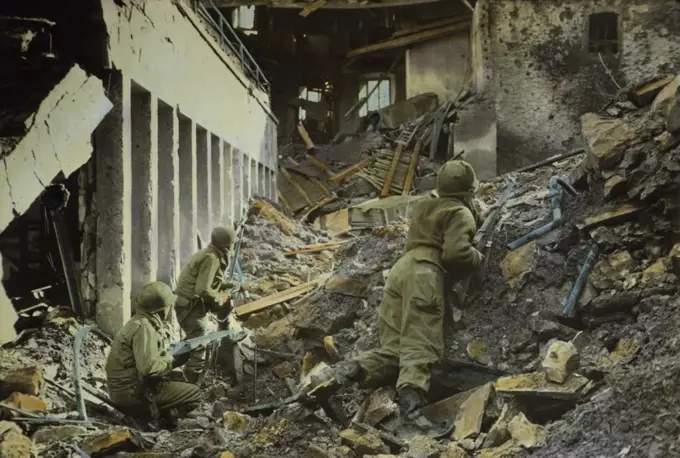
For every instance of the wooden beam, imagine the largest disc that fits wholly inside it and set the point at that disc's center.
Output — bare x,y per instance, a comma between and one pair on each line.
316,248
330,4
415,157
325,201
351,170
313,7
277,298
410,39
305,136
284,202
320,165
385,191
432,25
296,185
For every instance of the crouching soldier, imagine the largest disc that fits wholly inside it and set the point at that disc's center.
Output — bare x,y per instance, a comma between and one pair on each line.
198,290
411,326
138,366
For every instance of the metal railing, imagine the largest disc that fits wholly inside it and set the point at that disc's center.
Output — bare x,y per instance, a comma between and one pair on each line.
230,41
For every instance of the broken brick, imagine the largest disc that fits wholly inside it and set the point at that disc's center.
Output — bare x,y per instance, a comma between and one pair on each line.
57,433
13,443
380,406
227,455
606,139
525,433
477,351
469,419
284,369
645,94
535,384
517,265
363,443
454,451
506,450
331,349
423,447
498,433
113,441
561,359
235,421
27,381
26,402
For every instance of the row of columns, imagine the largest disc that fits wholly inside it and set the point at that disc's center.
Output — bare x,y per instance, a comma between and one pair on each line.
162,182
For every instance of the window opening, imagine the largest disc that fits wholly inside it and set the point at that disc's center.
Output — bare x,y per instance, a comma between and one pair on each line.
243,17
378,98
311,95
603,33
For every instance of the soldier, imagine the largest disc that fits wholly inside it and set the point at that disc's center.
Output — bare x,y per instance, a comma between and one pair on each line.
198,290
138,366
411,326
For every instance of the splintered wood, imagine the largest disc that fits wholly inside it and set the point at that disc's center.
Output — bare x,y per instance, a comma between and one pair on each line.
277,298
316,248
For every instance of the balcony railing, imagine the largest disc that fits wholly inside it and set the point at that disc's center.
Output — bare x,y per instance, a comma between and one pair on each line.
230,41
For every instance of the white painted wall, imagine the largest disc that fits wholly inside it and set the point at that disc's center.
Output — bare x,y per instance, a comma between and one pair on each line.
159,46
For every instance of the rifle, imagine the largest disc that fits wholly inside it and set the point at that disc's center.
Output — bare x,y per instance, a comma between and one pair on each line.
189,345
483,239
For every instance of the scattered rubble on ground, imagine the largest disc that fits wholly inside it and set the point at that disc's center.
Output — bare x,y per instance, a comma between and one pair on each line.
531,376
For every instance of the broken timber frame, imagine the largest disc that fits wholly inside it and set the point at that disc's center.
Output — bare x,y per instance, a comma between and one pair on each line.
277,298
296,185
351,170
316,248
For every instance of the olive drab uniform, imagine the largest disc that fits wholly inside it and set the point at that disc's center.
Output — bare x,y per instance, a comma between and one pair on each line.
411,316
198,291
138,361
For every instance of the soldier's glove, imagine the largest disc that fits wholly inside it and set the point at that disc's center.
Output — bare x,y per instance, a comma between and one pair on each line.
179,360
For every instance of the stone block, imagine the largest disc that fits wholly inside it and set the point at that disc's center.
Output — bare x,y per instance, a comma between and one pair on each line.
110,442
614,186
448,408
28,380
57,433
606,139
525,433
454,451
611,270
517,265
423,447
664,100
498,433
380,406
468,422
284,369
26,402
613,216
13,443
561,359
235,421
363,443
227,455
645,94
656,273
507,450
535,384
477,351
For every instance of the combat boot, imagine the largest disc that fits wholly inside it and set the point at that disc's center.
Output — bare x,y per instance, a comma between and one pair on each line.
412,421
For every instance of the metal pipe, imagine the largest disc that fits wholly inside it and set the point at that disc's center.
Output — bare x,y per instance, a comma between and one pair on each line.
79,451
584,273
556,186
54,198
77,387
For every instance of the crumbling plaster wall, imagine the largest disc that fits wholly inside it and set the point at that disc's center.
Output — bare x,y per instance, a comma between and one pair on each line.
441,66
545,78
161,46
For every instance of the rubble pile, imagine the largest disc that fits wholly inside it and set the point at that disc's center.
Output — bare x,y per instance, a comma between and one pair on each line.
567,345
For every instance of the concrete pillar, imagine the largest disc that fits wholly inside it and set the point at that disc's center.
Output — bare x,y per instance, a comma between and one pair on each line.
246,179
268,183
254,179
168,191
114,186
275,185
204,176
217,179
237,182
261,181
188,195
228,184
144,199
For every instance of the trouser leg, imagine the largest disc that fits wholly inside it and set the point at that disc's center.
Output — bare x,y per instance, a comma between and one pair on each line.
194,325
422,325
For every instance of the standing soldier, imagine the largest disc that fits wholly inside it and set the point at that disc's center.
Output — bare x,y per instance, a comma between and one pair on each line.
138,366
411,326
198,290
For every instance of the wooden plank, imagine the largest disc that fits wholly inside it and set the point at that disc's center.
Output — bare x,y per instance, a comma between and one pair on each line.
284,202
296,185
334,223
415,157
321,186
325,201
313,7
277,298
320,165
410,39
351,170
305,136
390,174
316,248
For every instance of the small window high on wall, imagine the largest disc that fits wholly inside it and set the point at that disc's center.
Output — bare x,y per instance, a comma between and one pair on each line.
603,33
243,18
378,98
311,96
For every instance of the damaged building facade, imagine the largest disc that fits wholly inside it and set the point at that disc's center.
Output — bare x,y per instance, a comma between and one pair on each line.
159,126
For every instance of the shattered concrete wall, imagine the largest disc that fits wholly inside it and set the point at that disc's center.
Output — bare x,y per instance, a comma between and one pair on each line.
165,48
441,66
57,140
545,77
